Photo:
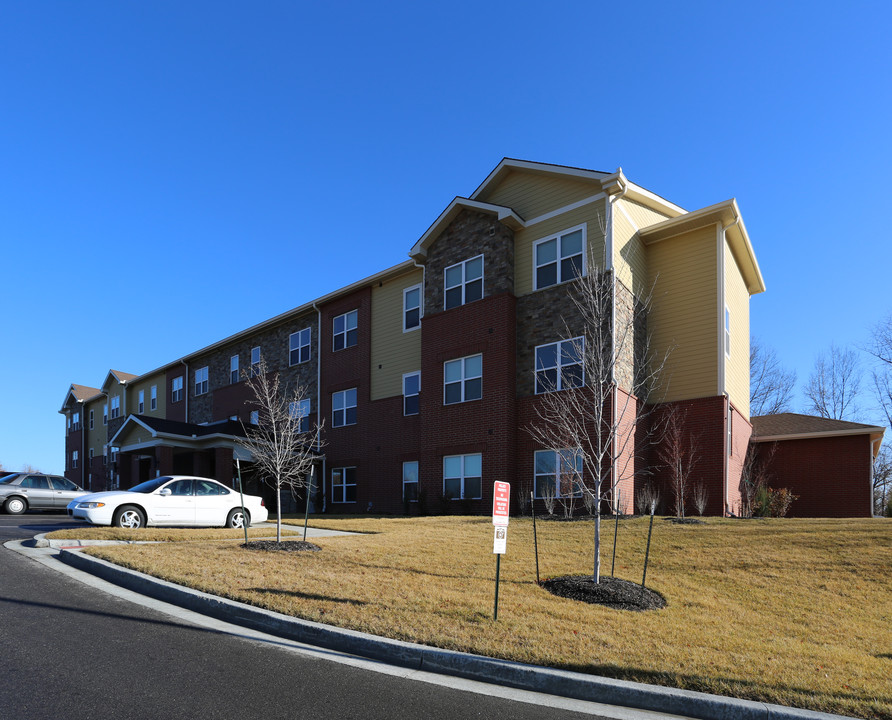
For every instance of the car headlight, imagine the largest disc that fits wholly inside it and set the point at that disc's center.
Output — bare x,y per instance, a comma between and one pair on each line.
90,505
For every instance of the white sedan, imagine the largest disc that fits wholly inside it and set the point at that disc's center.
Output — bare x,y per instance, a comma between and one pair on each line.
169,500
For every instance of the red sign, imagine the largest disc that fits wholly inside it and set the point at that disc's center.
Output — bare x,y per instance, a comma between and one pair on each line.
501,501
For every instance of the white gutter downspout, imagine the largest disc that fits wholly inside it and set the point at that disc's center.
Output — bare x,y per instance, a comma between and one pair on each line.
319,394
186,389
721,230
608,251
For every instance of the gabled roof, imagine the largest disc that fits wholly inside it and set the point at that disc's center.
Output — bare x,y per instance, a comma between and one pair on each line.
504,214
793,426
182,432
728,215
116,376
79,394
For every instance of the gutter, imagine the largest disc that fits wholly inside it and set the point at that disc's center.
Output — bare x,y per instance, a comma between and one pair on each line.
186,389
319,395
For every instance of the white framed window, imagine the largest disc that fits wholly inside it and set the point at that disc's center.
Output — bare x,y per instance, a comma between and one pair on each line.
201,381
463,476
558,473
463,282
74,458
412,310
410,481
254,418
559,365
727,331
153,397
300,411
463,379
105,455
141,405
76,421
345,330
343,485
299,347
176,389
343,408
91,419
105,414
116,407
255,361
411,393
233,370
91,454
559,258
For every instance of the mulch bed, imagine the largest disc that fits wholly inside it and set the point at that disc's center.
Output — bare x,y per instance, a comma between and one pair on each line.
685,521
284,546
611,592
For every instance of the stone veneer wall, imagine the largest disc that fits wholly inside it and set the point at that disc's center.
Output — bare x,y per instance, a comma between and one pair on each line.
469,235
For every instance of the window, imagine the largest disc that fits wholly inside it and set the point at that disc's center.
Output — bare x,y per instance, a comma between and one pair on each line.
91,419
558,473
463,282
176,389
299,347
463,476
105,456
201,381
412,308
343,408
74,459
559,365
76,421
345,332
105,414
91,454
255,361
727,331
233,369
255,417
463,379
141,405
343,485
300,411
559,258
411,390
116,407
410,481
153,397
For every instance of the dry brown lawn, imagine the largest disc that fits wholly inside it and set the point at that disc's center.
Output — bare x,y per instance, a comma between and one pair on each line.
796,612
153,534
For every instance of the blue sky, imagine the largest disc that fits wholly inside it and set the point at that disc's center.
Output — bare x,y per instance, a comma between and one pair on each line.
172,173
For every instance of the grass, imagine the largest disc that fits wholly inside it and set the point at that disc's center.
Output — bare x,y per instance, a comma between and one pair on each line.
796,612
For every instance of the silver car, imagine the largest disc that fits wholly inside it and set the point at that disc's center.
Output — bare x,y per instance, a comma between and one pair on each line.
34,491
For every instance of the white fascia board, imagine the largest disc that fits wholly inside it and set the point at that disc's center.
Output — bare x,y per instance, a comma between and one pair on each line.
651,199
130,419
867,430
504,214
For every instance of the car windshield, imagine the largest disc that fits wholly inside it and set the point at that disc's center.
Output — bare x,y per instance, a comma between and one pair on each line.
7,478
149,486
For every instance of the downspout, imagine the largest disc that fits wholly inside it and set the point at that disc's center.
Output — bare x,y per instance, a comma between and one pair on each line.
186,389
84,444
319,395
608,248
105,446
723,391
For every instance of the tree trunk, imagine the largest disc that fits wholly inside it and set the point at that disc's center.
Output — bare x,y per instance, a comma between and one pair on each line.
596,575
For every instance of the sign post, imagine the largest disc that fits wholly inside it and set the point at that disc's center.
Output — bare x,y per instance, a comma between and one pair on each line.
501,501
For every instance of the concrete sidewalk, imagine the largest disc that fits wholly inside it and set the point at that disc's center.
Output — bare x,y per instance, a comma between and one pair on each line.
579,686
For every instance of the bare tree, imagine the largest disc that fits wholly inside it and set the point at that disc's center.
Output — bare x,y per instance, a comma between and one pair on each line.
771,385
834,386
700,496
594,397
283,443
882,481
678,452
755,475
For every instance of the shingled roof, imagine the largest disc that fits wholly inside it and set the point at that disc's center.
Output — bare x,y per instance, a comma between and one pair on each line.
787,426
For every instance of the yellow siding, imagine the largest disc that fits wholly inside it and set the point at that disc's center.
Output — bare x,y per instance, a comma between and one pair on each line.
146,384
737,366
531,195
629,255
397,352
97,437
591,215
684,313
643,216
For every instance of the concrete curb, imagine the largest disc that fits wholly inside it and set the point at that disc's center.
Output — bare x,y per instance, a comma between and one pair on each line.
420,657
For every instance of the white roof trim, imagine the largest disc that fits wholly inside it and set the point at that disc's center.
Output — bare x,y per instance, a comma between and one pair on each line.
866,430
504,214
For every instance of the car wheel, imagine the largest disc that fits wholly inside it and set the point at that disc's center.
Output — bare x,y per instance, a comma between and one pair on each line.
129,517
15,506
236,519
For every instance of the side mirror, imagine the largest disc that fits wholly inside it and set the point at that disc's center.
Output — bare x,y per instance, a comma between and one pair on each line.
164,491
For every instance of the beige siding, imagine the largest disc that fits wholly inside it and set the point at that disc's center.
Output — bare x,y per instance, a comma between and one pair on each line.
395,351
531,195
145,383
643,216
591,215
684,314
737,366
629,254
97,437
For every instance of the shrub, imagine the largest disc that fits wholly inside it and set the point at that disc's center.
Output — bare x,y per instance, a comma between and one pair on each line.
769,502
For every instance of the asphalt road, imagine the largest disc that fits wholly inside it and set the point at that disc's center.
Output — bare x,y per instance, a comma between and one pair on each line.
72,650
